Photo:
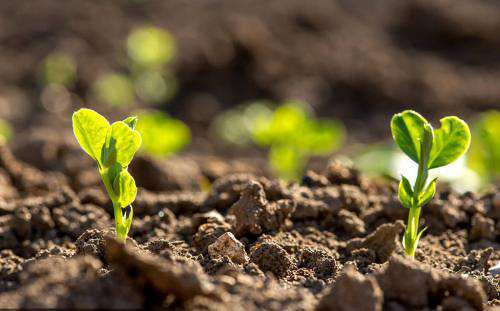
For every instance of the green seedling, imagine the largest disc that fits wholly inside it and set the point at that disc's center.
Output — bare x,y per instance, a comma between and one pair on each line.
60,69
114,89
112,147
150,47
430,149
484,154
5,132
293,134
161,134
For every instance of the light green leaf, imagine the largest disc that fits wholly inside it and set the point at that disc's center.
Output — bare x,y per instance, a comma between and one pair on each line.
451,141
407,130
428,194
405,192
90,130
125,188
131,122
121,144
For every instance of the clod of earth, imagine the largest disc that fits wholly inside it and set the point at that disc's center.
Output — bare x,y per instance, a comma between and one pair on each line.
228,245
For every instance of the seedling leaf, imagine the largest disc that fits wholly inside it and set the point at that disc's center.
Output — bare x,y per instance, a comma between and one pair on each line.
121,144
131,122
90,130
407,130
405,192
125,188
451,141
428,194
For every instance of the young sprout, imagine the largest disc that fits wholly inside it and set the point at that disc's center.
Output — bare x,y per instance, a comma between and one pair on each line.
430,149
112,147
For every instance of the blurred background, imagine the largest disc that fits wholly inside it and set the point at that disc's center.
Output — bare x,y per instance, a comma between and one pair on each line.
285,82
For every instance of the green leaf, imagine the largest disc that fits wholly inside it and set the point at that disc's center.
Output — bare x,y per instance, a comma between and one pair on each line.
125,188
428,194
131,122
405,192
121,144
451,141
407,130
90,130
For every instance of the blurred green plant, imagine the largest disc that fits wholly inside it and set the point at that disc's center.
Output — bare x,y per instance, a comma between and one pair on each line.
162,135
114,89
290,132
150,47
58,68
484,153
154,86
5,132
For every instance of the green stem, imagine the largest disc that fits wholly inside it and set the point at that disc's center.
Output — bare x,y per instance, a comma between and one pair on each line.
121,233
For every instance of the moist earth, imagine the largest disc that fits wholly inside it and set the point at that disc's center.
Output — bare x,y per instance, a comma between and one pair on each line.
249,242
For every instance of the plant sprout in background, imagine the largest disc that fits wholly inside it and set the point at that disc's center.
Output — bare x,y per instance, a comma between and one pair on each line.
484,154
114,89
290,132
5,132
150,50
153,86
161,134
430,149
60,69
150,47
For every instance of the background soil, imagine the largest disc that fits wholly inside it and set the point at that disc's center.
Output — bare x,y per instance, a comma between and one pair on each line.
250,242
353,60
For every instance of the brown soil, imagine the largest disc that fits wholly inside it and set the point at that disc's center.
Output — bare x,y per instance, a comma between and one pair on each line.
357,61
329,243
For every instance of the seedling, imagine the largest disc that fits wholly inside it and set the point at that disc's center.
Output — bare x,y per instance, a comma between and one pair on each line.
154,127
293,134
112,147
114,89
484,154
430,149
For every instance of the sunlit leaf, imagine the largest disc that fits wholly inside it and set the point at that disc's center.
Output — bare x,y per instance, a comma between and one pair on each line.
428,194
90,130
405,192
407,130
125,188
451,141
121,144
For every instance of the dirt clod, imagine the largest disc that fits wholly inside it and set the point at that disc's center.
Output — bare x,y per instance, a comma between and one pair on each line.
351,292
271,257
228,245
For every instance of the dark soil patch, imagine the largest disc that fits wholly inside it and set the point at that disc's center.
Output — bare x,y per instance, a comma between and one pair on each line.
325,244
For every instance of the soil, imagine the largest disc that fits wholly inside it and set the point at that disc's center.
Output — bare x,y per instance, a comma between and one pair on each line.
356,61
331,242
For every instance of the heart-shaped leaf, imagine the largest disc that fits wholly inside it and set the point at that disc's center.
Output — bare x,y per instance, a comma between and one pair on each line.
451,141
90,130
125,188
121,144
407,130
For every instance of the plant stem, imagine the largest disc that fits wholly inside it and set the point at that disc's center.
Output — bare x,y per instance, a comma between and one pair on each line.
121,234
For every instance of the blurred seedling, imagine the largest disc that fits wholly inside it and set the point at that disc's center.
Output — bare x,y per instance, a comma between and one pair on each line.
114,89
60,69
112,147
290,132
484,154
430,149
5,132
162,135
